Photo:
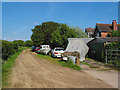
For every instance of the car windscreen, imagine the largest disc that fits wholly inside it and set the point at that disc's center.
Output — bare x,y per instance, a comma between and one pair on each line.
59,49
45,46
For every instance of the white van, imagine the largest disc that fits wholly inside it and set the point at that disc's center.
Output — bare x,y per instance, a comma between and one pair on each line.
44,49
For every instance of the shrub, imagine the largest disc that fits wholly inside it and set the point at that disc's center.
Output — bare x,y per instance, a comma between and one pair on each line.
19,42
113,45
28,43
70,64
7,49
112,56
114,33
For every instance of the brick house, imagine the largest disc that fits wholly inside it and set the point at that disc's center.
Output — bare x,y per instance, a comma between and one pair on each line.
89,31
101,30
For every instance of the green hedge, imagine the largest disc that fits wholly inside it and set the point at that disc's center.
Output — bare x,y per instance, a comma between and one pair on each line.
113,56
113,46
8,49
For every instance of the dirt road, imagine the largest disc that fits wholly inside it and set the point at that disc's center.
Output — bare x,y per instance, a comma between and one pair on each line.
32,72
104,73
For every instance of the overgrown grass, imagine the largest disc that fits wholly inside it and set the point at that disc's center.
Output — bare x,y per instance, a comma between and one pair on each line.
67,63
89,59
111,64
104,69
6,68
48,58
91,66
92,59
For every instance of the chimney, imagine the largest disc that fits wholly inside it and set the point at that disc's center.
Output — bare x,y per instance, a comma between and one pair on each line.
114,25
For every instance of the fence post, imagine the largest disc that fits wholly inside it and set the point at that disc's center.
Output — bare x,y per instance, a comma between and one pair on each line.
77,62
106,57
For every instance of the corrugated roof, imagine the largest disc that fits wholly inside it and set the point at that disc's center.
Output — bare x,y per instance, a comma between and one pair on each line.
85,40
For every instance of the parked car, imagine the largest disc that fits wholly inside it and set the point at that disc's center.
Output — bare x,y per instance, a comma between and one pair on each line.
37,49
44,49
57,51
33,48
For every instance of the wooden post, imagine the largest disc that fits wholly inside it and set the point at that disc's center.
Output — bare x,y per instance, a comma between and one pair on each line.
77,62
49,54
106,57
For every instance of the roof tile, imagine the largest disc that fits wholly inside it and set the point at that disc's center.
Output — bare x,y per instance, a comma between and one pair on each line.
106,27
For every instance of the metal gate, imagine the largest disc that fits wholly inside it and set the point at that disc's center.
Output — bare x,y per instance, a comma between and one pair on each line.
112,57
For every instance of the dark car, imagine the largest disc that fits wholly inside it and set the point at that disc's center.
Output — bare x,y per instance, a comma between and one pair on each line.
33,48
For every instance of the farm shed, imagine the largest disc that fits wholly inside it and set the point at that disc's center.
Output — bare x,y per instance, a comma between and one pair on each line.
79,45
96,46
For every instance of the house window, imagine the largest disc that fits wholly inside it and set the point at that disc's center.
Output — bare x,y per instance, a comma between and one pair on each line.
97,34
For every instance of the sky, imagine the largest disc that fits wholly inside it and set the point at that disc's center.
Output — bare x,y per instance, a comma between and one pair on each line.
18,18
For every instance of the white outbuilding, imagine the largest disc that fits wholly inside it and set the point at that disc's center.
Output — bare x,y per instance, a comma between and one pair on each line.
79,45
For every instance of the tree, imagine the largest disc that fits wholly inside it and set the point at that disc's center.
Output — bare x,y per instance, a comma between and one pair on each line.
55,34
42,34
15,45
56,39
19,42
114,33
80,33
28,43
59,37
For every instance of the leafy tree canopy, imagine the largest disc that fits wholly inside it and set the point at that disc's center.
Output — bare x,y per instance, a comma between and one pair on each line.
28,43
55,34
114,34
19,42
80,33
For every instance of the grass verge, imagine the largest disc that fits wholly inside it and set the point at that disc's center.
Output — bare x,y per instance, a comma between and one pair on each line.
91,66
104,69
110,65
67,63
6,68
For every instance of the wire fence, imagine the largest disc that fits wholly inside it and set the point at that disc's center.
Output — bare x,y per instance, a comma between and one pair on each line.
112,57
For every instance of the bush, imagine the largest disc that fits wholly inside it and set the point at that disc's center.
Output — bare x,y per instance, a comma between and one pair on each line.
114,34
112,56
15,47
113,45
7,49
19,43
28,43
69,64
